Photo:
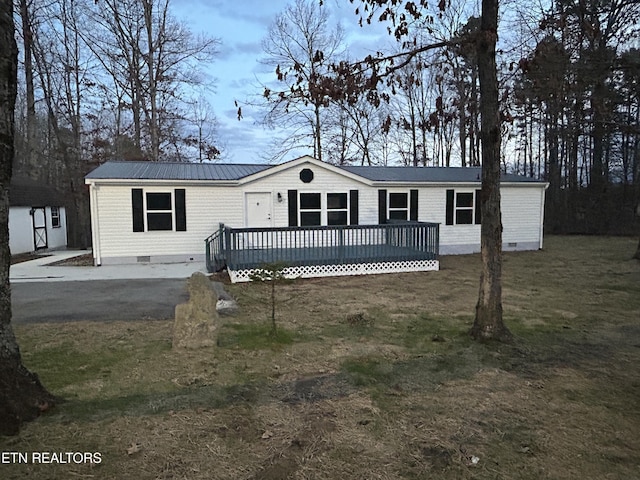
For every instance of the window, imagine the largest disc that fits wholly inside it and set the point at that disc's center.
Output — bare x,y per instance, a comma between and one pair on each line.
158,211
316,209
337,210
310,209
398,206
55,217
463,208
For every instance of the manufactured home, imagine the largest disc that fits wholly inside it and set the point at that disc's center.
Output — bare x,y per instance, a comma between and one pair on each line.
318,219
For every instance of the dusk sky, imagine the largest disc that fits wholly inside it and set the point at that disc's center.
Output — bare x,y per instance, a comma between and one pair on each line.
241,25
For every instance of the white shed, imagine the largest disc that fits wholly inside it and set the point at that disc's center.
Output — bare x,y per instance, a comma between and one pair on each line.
37,219
163,212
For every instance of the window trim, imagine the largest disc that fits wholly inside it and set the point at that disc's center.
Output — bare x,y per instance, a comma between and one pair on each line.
141,211
453,209
405,209
148,211
324,209
56,219
470,209
344,210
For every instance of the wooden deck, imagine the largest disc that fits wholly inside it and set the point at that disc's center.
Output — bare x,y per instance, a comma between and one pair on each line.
243,249
251,258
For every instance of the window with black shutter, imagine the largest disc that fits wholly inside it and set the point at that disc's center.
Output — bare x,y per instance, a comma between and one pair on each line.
159,211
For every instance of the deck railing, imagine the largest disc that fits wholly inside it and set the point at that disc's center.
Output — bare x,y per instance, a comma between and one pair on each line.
214,248
246,248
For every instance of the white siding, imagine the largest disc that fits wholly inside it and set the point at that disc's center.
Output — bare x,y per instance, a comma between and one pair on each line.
209,205
206,207
521,210
324,181
57,237
21,230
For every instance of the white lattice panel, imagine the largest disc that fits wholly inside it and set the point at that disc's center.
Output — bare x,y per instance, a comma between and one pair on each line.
311,271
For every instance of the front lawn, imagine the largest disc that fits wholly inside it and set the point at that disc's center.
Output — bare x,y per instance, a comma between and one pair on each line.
369,377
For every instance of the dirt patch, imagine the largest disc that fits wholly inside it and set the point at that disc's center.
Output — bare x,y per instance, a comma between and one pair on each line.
25,257
85,260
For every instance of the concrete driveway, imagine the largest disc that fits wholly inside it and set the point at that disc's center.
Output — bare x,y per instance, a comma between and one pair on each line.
44,293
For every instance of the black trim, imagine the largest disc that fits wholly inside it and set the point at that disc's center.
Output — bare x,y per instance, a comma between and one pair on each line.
478,207
353,207
137,210
181,210
382,207
413,205
450,207
293,207
306,175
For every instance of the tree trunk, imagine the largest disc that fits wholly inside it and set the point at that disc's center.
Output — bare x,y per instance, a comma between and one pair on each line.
488,324
22,396
637,254
31,161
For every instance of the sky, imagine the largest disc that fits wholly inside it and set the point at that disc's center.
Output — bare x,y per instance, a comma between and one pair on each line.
241,25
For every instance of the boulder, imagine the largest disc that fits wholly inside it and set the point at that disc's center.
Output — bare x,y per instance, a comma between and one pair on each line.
196,321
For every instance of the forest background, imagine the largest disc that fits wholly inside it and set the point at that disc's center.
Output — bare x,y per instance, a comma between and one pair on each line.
128,80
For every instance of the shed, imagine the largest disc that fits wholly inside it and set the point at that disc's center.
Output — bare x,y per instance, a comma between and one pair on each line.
37,217
228,214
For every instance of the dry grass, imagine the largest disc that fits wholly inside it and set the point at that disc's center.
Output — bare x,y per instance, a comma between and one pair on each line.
371,378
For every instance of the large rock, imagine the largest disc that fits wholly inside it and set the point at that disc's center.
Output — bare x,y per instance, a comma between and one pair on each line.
196,322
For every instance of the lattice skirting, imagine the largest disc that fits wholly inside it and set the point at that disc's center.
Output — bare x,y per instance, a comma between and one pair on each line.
311,271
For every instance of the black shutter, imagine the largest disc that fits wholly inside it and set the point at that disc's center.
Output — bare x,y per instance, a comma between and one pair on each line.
382,207
293,208
413,205
353,207
181,210
137,210
478,209
449,215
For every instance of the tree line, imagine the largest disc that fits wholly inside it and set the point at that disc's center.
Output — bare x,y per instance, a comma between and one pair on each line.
569,97
115,79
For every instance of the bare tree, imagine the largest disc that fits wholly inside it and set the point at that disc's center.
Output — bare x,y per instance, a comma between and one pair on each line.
151,61
301,46
488,323
375,70
22,396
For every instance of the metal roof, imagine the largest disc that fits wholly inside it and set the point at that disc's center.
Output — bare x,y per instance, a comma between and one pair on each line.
174,171
230,171
429,174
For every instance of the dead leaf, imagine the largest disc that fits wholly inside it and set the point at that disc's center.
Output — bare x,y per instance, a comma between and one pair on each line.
134,448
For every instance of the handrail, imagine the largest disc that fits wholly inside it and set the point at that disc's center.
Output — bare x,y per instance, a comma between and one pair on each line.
214,249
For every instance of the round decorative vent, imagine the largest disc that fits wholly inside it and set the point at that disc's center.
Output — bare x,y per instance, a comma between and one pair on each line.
306,175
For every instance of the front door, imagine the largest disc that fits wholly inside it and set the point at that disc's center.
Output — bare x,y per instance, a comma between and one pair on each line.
259,210
39,219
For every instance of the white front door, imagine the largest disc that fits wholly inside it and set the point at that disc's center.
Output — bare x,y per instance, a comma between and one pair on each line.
258,208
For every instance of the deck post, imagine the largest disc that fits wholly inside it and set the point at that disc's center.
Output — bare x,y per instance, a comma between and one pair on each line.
225,247
221,237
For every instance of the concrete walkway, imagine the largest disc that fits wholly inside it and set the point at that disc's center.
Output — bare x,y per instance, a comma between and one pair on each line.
40,270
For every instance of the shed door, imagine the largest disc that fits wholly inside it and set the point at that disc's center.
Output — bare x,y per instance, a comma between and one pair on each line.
258,208
39,219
